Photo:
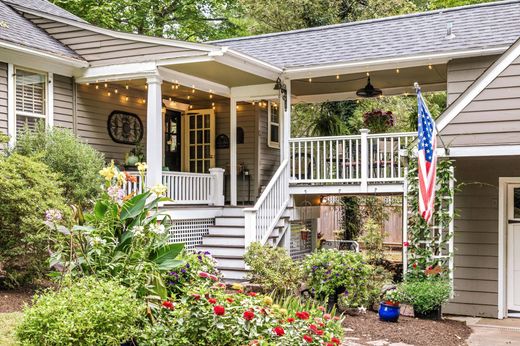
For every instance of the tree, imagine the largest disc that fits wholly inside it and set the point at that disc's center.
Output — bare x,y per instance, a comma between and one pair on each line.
188,20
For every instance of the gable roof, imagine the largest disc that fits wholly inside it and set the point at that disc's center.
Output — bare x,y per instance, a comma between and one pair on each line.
21,32
45,7
475,27
485,79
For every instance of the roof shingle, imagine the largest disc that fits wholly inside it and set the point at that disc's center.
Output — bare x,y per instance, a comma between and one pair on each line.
475,27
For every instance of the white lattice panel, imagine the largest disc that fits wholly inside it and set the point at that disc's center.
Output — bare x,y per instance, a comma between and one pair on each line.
189,231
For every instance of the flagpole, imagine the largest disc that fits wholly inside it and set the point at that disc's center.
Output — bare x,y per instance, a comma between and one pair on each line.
446,149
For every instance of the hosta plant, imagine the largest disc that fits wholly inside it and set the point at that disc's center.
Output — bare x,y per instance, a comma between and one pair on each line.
124,238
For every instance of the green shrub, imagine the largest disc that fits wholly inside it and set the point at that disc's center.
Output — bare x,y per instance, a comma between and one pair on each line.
330,272
27,190
425,295
77,163
373,238
272,268
90,312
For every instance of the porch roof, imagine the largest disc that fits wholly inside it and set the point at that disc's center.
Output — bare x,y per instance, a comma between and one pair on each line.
475,28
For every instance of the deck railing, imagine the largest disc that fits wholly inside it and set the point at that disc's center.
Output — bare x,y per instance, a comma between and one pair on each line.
261,220
359,159
189,188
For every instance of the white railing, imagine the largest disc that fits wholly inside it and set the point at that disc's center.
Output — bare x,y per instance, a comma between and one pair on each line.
261,220
362,159
188,188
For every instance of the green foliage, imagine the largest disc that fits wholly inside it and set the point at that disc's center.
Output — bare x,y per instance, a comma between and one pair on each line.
284,276
425,295
373,238
184,20
123,238
27,190
212,316
77,163
90,312
8,323
330,272
425,255
351,217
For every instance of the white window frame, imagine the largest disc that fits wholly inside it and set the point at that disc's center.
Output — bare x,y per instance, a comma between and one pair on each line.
270,143
11,99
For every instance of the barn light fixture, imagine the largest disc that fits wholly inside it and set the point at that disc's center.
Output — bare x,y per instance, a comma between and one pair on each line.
282,88
369,91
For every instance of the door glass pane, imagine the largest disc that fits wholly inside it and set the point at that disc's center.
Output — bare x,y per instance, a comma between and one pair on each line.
199,121
516,203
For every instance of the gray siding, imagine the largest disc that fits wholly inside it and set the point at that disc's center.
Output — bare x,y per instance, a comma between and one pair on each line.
63,102
99,49
493,117
476,234
93,109
268,158
3,97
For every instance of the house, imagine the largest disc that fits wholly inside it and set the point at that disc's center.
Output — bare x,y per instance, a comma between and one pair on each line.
215,122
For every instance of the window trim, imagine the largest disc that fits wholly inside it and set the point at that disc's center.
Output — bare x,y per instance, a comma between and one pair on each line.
11,100
270,143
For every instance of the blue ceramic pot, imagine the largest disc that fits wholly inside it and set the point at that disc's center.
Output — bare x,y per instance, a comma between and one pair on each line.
388,313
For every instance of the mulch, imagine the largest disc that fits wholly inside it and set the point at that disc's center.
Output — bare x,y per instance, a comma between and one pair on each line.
14,300
412,331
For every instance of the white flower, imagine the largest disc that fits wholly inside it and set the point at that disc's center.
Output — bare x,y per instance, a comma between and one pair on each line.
138,231
95,241
157,229
159,189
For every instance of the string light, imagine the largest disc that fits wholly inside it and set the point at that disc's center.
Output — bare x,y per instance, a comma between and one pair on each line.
310,80
116,91
253,103
146,87
87,84
193,91
430,66
191,106
170,99
173,86
212,104
368,74
106,85
126,86
109,93
337,76
210,96
126,98
97,87
144,101
189,97
396,70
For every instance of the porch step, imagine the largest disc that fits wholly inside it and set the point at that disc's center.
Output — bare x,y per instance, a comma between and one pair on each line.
233,274
232,231
223,250
230,221
233,211
228,261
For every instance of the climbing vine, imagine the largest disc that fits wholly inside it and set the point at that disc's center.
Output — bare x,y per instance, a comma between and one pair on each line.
428,244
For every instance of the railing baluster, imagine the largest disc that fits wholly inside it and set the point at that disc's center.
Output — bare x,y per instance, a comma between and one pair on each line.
305,161
392,156
330,160
312,160
318,160
384,158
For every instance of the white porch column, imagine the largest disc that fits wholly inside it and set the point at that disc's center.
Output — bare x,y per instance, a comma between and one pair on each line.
154,145
233,150
286,124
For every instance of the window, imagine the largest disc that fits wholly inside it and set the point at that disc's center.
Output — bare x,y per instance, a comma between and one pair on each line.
30,98
273,125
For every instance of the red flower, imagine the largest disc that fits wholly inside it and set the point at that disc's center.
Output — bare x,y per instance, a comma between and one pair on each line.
414,265
252,294
307,338
221,285
168,305
313,327
130,178
329,344
319,332
290,320
248,315
303,315
326,317
196,296
219,310
263,311
278,331
406,244
230,300
212,301
335,340
213,277
203,275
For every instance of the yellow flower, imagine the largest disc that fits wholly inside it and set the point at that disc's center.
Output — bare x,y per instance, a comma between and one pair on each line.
283,312
276,307
141,167
121,178
159,189
236,286
108,172
268,300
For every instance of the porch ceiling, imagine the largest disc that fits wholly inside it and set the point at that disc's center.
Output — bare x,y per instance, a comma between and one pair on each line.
392,82
219,73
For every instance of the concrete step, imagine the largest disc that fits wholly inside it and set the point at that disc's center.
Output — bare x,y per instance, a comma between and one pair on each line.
226,230
223,250
223,240
230,221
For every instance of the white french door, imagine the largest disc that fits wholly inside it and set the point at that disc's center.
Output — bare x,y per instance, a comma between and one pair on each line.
199,154
513,247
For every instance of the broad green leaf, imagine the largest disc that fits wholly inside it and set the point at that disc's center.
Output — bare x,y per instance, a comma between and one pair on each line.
170,264
100,209
134,206
167,252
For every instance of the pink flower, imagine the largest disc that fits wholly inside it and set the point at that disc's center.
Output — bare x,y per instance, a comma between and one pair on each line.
326,317
213,277
203,275
406,244
321,308
219,310
196,296
212,301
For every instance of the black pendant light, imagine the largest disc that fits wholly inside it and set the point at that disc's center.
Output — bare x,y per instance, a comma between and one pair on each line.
369,91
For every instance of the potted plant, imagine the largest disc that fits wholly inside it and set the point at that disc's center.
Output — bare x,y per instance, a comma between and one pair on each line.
378,121
133,157
389,308
426,296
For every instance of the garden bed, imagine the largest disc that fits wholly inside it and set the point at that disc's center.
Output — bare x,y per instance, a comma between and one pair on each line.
14,300
412,331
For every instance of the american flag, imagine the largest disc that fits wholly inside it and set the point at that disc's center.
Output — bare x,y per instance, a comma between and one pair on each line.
427,158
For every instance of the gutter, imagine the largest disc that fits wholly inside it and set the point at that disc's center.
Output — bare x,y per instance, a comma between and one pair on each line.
49,56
